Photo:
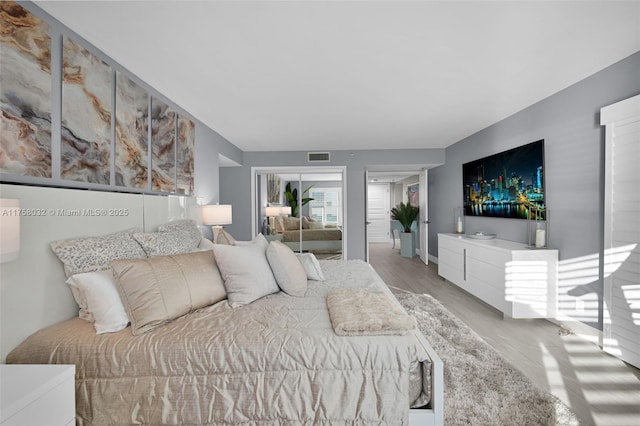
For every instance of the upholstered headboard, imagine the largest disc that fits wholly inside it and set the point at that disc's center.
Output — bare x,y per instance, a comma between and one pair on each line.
33,293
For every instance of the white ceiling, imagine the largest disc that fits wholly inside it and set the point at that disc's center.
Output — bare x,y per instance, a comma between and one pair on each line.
310,75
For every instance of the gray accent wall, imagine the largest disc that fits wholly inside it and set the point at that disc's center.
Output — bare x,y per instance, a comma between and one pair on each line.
235,184
574,145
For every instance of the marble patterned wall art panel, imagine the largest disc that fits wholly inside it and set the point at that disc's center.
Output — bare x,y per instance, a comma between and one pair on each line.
132,134
163,147
185,155
25,92
86,115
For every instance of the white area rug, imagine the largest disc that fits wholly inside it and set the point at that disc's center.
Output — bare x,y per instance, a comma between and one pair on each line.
480,387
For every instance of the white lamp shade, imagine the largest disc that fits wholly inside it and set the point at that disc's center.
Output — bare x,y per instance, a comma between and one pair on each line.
272,211
217,214
9,229
285,210
275,211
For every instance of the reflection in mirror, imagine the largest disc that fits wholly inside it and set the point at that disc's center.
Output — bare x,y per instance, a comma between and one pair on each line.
302,209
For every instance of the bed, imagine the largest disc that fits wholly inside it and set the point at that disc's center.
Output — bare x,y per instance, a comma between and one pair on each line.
276,360
315,236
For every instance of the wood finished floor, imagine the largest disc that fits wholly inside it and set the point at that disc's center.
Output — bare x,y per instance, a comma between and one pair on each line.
598,387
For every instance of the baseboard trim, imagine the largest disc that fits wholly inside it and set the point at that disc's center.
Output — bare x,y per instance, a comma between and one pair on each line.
433,259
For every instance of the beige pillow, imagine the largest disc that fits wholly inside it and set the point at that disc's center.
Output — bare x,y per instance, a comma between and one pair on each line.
246,272
224,237
291,223
159,289
287,269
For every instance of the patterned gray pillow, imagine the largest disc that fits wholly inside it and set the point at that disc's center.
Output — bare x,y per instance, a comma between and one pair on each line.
168,243
91,254
186,225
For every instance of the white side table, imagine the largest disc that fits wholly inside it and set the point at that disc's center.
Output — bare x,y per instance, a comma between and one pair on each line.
37,394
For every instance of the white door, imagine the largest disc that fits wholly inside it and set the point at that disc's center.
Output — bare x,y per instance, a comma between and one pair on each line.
622,230
424,219
378,213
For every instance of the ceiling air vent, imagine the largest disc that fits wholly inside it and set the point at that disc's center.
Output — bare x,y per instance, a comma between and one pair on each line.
314,157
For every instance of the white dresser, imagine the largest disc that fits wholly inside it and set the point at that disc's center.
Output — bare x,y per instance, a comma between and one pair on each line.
519,281
37,395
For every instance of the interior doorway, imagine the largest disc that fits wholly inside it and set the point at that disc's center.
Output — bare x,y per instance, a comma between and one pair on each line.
403,184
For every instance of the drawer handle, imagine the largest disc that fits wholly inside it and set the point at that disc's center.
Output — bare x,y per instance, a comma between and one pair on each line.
464,263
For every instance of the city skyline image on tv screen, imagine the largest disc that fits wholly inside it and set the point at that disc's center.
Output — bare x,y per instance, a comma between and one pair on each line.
506,184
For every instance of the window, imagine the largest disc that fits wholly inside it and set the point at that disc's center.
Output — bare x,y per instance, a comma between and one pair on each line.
325,206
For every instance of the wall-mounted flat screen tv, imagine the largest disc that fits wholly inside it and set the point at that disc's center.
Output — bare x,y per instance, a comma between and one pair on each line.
505,184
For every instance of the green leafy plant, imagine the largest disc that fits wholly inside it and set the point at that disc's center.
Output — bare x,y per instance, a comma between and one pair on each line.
405,214
292,198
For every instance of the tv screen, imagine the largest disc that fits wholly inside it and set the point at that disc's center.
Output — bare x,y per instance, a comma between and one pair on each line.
505,184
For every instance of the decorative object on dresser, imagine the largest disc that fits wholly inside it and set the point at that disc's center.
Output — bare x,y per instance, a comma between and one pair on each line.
9,229
217,215
406,214
37,395
519,282
458,220
538,226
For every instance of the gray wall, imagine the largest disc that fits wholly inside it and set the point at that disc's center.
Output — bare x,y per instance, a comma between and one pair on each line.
569,123
208,143
235,184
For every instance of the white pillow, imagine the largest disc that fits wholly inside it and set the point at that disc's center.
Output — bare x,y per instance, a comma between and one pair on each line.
288,271
311,266
246,273
259,239
102,299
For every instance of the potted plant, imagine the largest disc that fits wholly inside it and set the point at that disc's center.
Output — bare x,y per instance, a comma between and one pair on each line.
406,214
292,198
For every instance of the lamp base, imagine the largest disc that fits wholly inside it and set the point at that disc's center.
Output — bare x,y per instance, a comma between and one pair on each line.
216,231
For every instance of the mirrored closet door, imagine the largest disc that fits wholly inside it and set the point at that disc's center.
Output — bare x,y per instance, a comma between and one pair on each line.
302,208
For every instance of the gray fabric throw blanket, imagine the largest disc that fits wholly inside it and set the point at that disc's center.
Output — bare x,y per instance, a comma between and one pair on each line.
360,312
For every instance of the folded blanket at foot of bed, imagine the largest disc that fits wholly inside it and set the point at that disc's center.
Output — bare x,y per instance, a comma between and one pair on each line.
360,312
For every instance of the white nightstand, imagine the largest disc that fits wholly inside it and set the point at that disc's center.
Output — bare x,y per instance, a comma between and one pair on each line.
37,394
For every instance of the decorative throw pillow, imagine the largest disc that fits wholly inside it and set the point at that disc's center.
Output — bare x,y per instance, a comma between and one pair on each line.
279,225
100,293
166,243
225,238
91,254
316,225
307,222
246,272
311,266
291,223
287,269
205,244
187,225
259,239
81,300
160,289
